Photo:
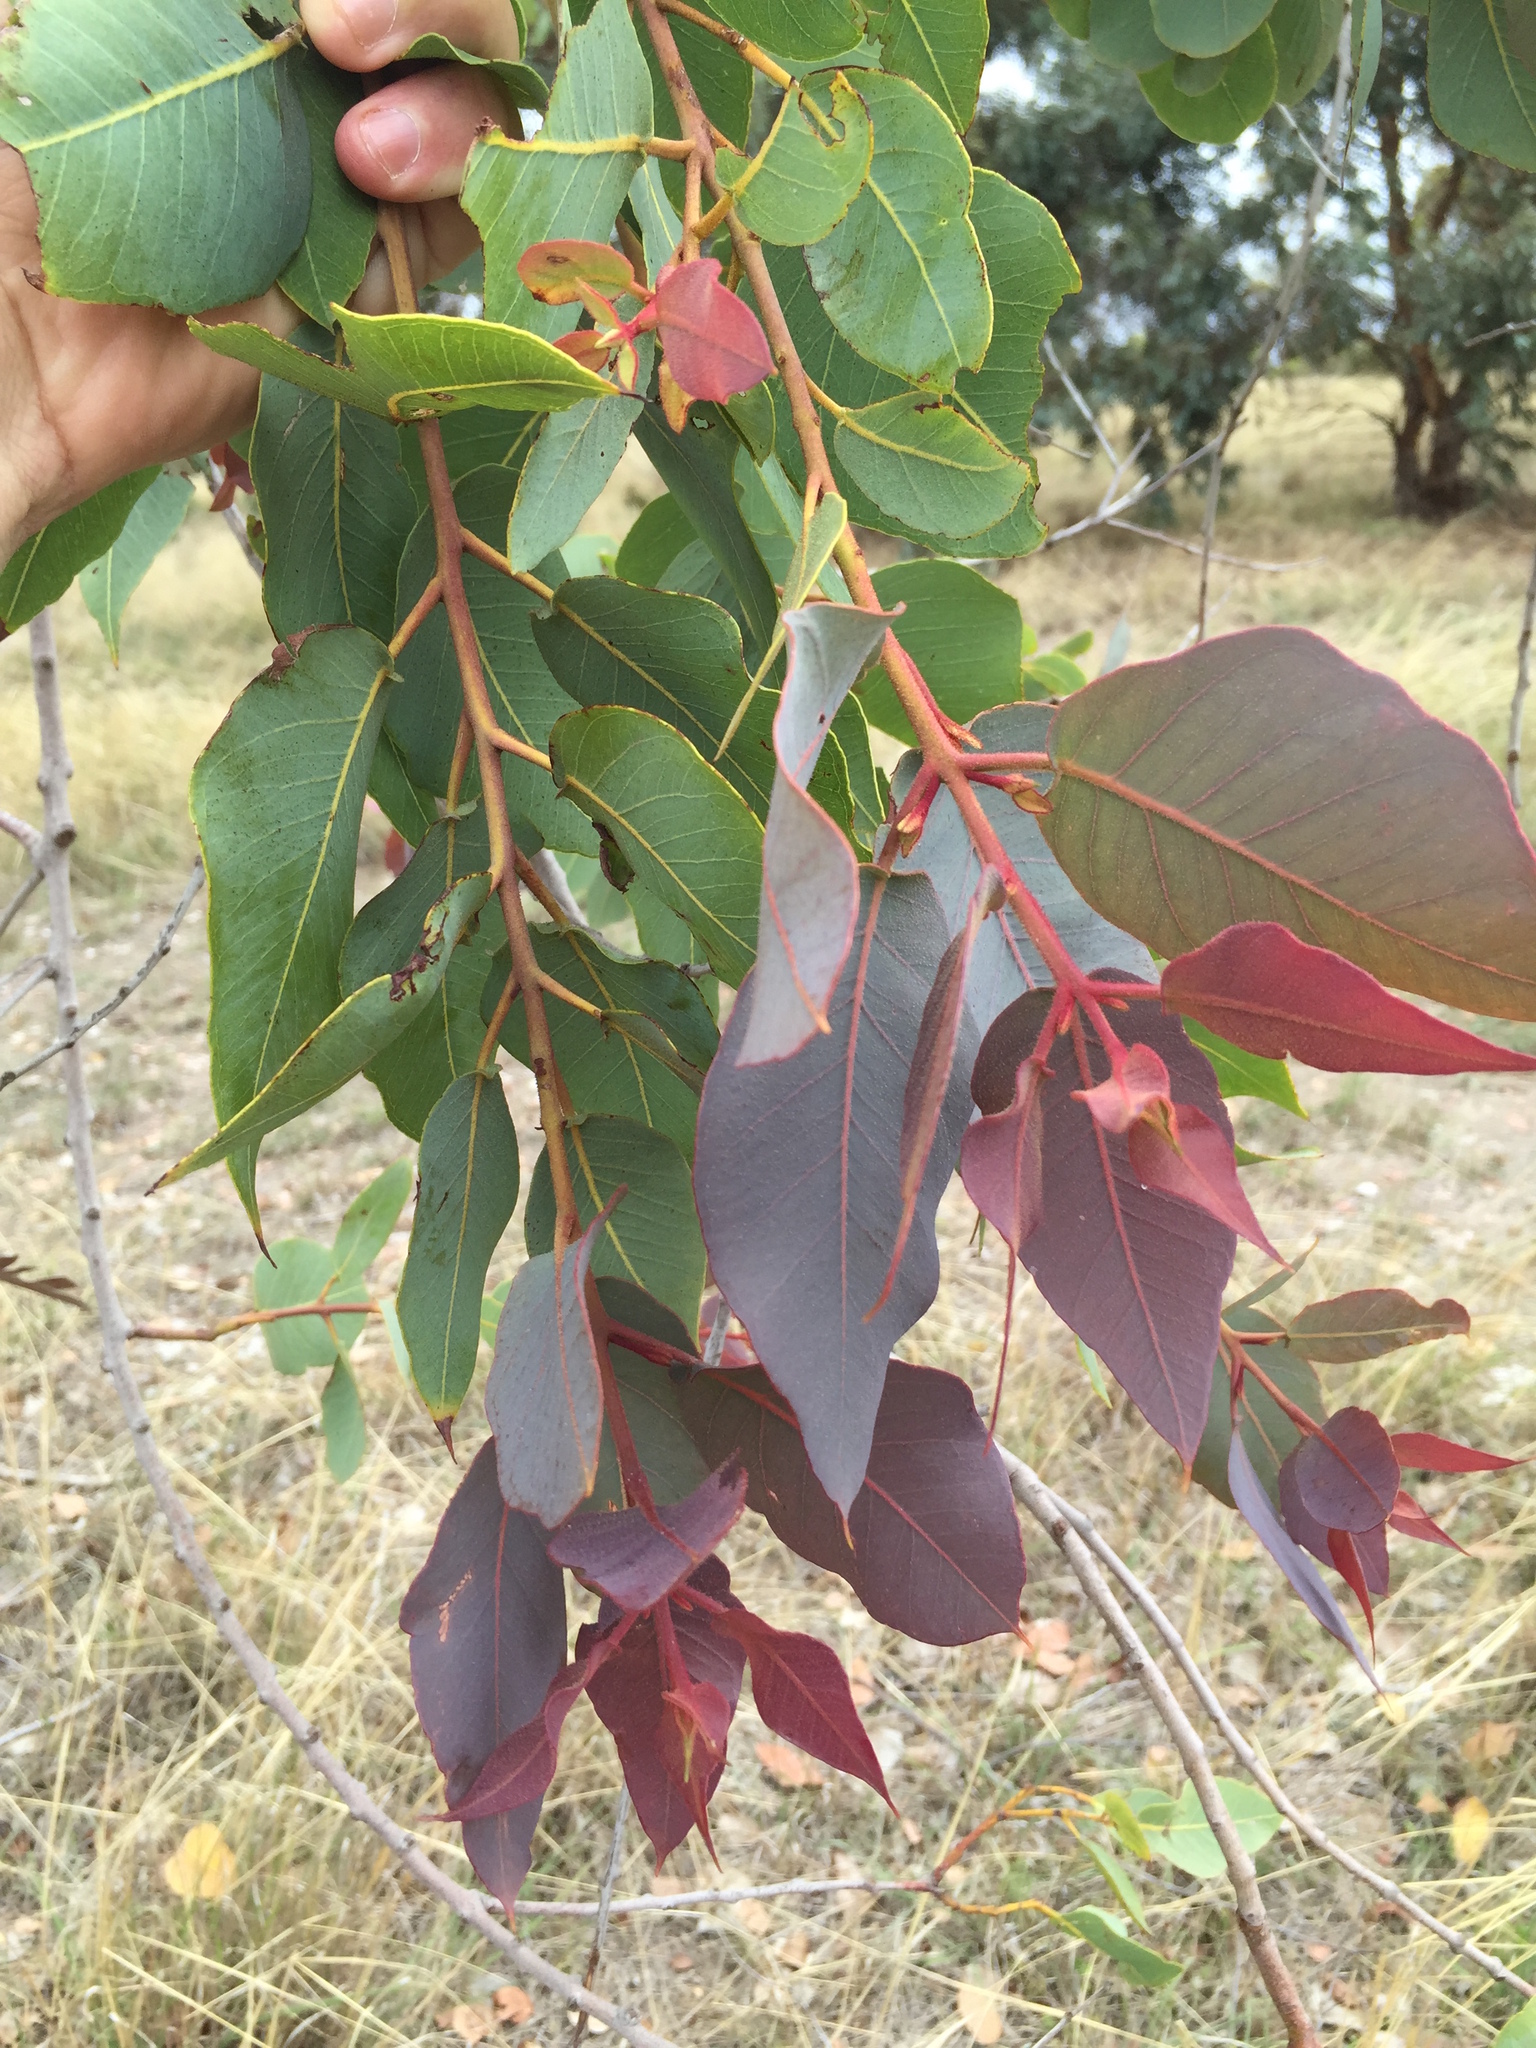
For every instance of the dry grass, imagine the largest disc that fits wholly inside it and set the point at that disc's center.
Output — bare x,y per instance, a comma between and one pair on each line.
1425,1185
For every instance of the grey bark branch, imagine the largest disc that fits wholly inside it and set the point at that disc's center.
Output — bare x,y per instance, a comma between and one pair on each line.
1522,685
23,895
604,1905
58,833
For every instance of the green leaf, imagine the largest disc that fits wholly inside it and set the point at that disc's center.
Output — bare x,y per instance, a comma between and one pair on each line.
1051,675
1093,1366
341,1417
1118,1880
467,1193
520,82
685,831
660,533
940,45
1269,1435
1117,1811
646,1059
1306,34
1246,88
350,1036
1123,34
807,174
152,524
753,421
666,1450
920,460
1111,1937
414,1070
664,936
336,507
696,467
1519,2032
476,439
277,800
410,810
1184,1836
652,1239
410,366
296,1271
42,568
660,229
1365,29
166,146
365,1229
1482,77
571,180
1246,1073
328,264
1071,16
575,455
801,30
1207,28
965,633
901,275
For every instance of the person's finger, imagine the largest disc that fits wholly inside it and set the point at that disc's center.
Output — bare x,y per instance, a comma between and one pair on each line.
408,141
362,35
438,236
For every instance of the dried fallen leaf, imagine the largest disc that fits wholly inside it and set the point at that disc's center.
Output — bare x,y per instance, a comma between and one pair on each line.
1430,1802
911,1830
1471,1825
1048,1642
467,2021
794,1948
1490,1742
977,2007
69,1507
203,1866
511,2005
753,1915
1319,1951
861,1682
1240,1550
786,1766
681,1961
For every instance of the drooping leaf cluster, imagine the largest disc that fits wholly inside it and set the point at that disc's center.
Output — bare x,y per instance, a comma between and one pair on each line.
1041,953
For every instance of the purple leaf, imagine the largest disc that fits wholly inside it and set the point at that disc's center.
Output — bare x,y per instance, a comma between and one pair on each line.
519,1769
486,1619
1136,1273
1370,1321
935,1551
1348,1477
1001,1163
801,1690
810,894
1185,1154
625,1555
796,1176
1253,1504
544,1395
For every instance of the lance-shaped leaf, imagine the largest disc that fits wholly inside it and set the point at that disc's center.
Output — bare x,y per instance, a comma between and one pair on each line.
928,465
808,172
1269,1435
166,146
683,829
1482,78
810,888
570,181
1134,1272
696,466
517,1772
1257,1510
941,45
1184,1154
800,1689
1109,1934
801,30
486,1619
1306,34
297,1270
714,344
544,1397
1263,777
467,1192
1005,964
1348,1476
352,1035
800,1244
342,1422
1001,1162
931,1545
1421,1451
277,800
328,265
1409,1519
635,1561
576,453
901,275
1346,1553
1246,1073
339,511
645,1058
1369,1322
1262,988
152,524
44,566
653,1238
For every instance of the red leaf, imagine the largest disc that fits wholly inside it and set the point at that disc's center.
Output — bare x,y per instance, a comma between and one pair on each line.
809,902
486,1619
1001,1165
1265,990
544,1396
1262,777
1346,1562
519,1769
237,476
935,1548
1420,1451
799,1244
1369,1322
713,341
1410,1519
1136,1273
801,1691
583,345
1299,1519
1371,1549
1257,1510
1348,1476
635,1563
1187,1155
556,271
1137,1079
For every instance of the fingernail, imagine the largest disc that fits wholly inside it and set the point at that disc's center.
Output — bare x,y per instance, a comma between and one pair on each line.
369,20
391,138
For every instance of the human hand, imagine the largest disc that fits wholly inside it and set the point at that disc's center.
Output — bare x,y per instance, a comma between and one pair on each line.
88,393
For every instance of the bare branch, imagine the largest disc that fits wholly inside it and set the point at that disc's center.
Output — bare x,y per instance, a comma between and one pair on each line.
1048,350
30,975
604,1904
27,837
161,947
359,1802
1522,685
1251,1915
552,875
1498,333
8,916
1191,547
